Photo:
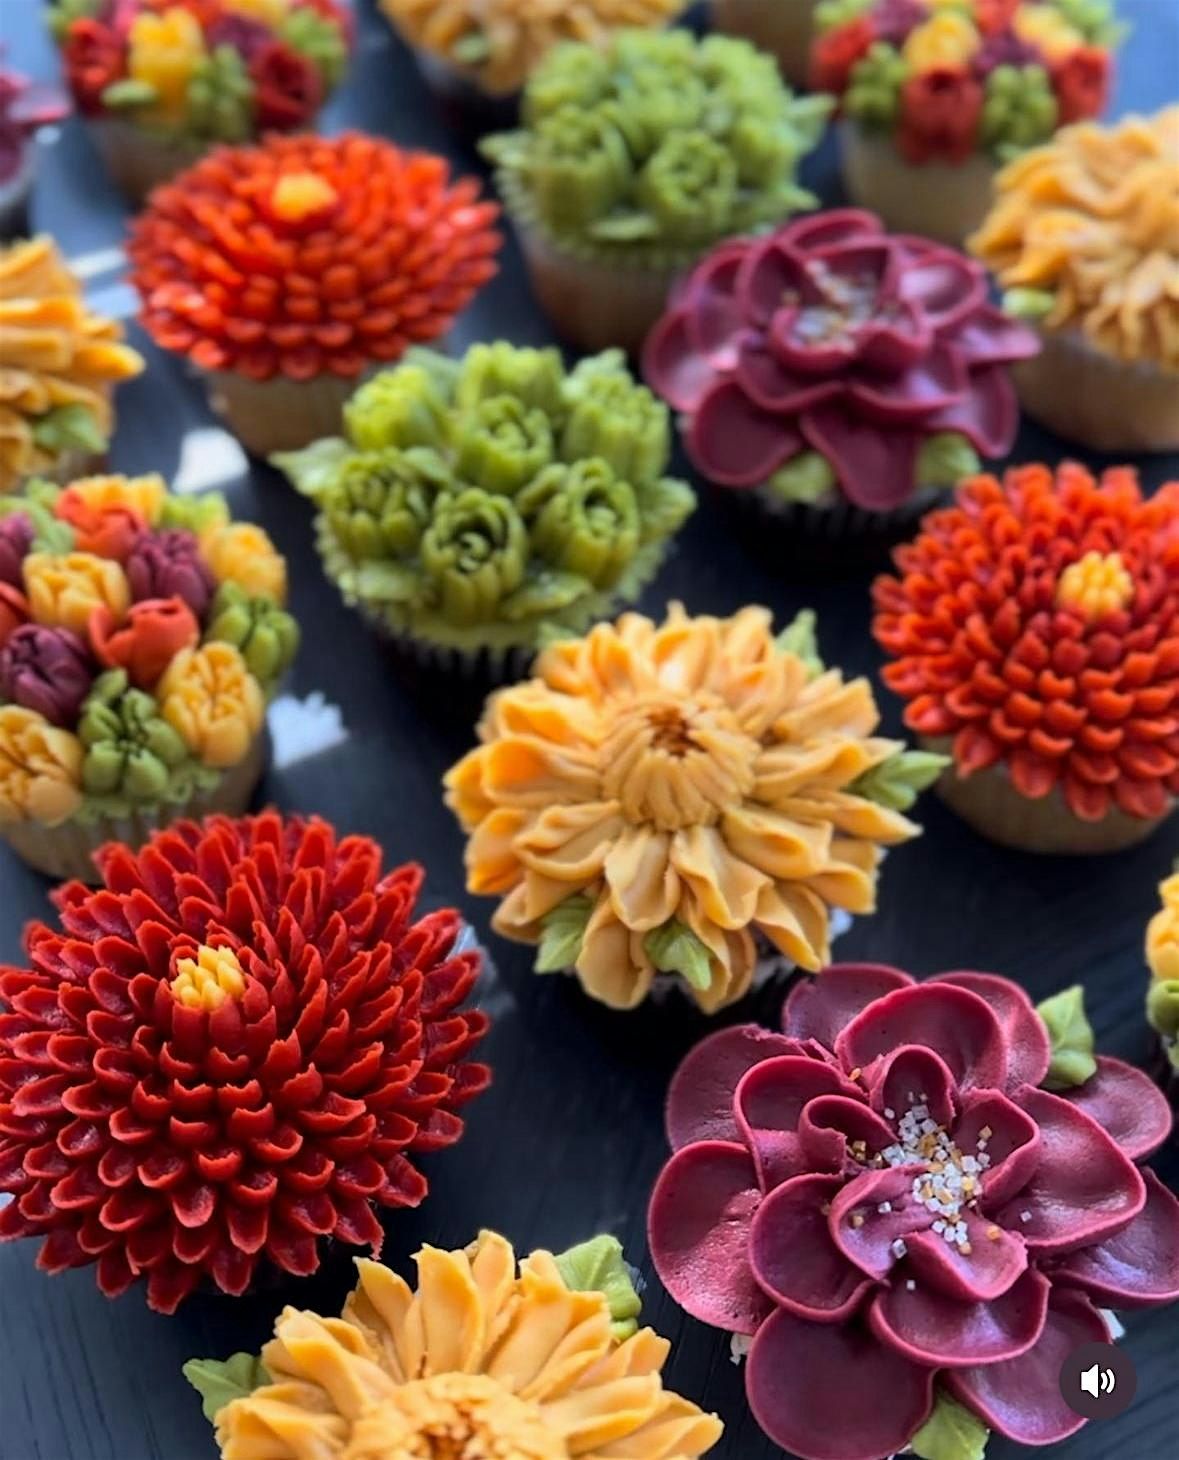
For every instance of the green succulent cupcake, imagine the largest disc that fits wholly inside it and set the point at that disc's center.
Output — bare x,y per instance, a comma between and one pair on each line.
475,504
634,159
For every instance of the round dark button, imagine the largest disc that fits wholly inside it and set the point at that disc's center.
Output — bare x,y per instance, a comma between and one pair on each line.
1098,1380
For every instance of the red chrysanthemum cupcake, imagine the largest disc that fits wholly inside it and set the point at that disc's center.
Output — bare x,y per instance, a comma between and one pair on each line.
231,1051
1034,629
288,270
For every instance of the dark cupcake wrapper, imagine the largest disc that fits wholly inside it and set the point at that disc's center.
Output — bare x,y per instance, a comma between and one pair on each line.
461,99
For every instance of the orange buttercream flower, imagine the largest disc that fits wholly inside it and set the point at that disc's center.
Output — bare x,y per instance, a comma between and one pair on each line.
40,768
65,589
14,611
144,496
213,703
307,255
1036,624
243,553
108,530
156,630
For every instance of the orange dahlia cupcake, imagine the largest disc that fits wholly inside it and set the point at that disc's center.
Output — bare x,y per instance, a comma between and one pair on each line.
1034,634
285,272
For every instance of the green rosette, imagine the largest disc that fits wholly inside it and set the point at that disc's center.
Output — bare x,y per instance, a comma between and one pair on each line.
405,407
321,40
612,417
1019,110
474,555
220,97
133,756
689,186
535,377
873,95
584,520
381,502
503,444
579,168
266,635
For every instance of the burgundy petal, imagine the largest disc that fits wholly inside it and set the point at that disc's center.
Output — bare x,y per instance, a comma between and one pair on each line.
955,1024
986,414
1126,1104
875,465
819,1007
769,384
672,367
1083,1189
1028,1050
772,272
935,382
698,1232
861,260
700,1096
794,1258
833,225
896,343
713,305
947,287
734,442
1139,1265
990,337
912,1075
769,1101
865,1234
1012,1144
832,1392
994,1261
930,1328
1021,1398
810,351
831,1122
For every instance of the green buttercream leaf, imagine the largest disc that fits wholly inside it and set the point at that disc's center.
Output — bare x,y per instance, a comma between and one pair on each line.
406,406
674,948
1028,303
125,95
801,639
386,582
562,934
546,591
896,782
598,1266
1162,1006
313,470
551,633
471,50
951,1432
943,460
807,478
195,514
625,228
664,507
1071,1037
220,1381
69,428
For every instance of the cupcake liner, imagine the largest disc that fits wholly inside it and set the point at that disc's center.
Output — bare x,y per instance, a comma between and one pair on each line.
136,160
944,201
785,29
279,414
67,851
461,99
1088,396
989,802
839,532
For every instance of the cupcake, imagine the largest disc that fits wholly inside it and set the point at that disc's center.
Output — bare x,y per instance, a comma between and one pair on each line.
1033,630
543,1363
60,367
784,28
915,1198
934,95
1084,238
475,55
680,799
839,376
218,1112
477,505
24,108
1162,999
636,158
161,81
141,635
286,272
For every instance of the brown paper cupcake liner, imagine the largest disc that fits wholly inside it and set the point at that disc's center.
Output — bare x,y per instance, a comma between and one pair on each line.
462,100
784,28
279,414
838,534
136,160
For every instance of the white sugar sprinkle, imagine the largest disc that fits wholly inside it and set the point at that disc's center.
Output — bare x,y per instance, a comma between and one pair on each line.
898,1248
884,1208
910,1285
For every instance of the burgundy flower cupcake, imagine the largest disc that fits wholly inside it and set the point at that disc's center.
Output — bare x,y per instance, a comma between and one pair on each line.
233,1050
916,1196
841,376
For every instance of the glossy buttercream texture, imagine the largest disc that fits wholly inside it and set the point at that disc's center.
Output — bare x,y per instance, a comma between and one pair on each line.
917,1199
660,797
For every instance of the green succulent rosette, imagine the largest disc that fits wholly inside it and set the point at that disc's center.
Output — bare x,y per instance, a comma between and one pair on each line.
480,504
220,97
1019,110
266,636
658,146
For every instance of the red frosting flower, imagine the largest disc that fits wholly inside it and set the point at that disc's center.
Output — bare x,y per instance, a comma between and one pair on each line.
835,53
309,254
14,611
1081,82
940,113
885,1198
995,16
231,1050
108,531
1037,624
287,87
833,336
94,58
153,633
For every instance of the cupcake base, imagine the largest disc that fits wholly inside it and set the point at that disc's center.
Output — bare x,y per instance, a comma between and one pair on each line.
990,803
279,414
66,852
785,29
136,160
944,201
462,100
1095,400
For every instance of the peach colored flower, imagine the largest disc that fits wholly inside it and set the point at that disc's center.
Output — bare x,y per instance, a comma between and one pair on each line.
144,496
65,589
213,703
107,531
40,768
242,553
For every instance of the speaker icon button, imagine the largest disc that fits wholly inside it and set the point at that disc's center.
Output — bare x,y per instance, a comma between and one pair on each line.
1098,1380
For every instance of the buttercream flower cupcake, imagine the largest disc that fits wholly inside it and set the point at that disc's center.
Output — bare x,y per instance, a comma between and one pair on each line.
184,1103
1033,631
1083,236
637,157
24,109
61,364
1162,957
141,635
918,1197
476,505
679,799
784,28
543,1363
933,95
161,81
286,272
840,377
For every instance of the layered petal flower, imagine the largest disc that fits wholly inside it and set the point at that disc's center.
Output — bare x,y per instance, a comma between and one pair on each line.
213,703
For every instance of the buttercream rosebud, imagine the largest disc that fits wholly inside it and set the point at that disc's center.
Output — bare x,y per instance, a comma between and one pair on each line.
243,553
40,768
266,637
64,589
580,167
689,186
586,520
154,632
502,444
169,565
534,377
144,495
109,530
616,419
474,554
16,538
131,750
381,501
402,407
14,611
46,670
213,703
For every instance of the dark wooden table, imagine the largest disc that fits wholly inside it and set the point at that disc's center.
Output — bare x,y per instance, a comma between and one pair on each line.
570,1138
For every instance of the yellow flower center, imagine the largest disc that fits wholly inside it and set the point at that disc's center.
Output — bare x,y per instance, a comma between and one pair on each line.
677,762
1095,585
453,1417
206,981
299,196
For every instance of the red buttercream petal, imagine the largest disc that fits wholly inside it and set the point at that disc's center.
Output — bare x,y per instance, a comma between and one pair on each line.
912,1075
994,1262
990,337
794,1258
769,1102
1013,1143
935,382
832,225
955,1024
715,320
865,1234
1138,1266
947,287
733,442
672,366
700,1096
832,1391
930,1328
895,344
1084,1189
772,386
820,1007
830,1122
874,464
1028,1049
1126,1104
986,413
698,1227
771,272
1021,1397
800,348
